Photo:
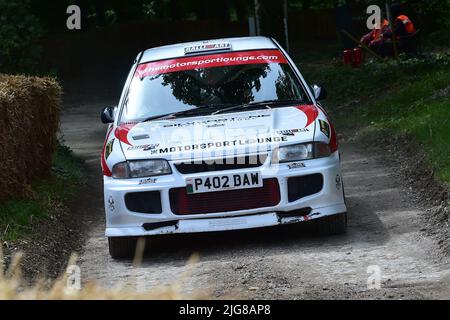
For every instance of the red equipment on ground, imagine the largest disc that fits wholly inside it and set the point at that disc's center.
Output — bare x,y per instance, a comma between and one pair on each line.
353,57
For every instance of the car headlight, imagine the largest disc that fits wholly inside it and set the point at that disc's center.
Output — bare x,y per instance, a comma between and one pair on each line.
302,151
141,169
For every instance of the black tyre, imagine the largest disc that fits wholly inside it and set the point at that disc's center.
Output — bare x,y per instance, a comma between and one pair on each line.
122,247
332,225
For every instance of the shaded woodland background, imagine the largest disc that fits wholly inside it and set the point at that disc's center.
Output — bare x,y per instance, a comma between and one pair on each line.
34,38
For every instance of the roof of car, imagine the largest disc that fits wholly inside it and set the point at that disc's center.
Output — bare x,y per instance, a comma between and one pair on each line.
178,50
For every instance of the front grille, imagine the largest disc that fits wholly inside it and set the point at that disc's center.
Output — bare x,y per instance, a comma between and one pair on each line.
183,203
144,202
232,163
299,187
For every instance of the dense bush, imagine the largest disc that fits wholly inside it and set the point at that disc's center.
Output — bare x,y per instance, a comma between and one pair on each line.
29,119
20,30
435,14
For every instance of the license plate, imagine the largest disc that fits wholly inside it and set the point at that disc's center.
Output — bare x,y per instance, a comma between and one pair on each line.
224,182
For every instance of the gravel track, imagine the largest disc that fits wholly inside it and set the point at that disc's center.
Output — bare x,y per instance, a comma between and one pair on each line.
386,233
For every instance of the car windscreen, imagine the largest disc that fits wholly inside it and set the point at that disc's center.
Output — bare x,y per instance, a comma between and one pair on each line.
213,81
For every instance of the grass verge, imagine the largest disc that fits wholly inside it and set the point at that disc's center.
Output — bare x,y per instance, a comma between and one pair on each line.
405,97
17,216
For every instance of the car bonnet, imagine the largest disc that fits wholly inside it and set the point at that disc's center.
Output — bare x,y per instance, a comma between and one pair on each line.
214,136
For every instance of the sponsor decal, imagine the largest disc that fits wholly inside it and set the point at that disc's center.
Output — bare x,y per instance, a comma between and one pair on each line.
145,147
220,144
152,146
141,137
109,148
334,144
148,180
216,125
131,148
220,121
105,169
208,47
111,204
209,61
291,132
325,128
296,165
338,182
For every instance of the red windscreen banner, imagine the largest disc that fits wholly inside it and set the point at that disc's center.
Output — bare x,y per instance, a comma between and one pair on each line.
209,61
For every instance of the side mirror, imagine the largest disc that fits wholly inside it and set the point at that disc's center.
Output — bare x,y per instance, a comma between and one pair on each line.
107,115
319,92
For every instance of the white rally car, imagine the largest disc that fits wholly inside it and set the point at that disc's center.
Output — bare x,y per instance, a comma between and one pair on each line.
218,135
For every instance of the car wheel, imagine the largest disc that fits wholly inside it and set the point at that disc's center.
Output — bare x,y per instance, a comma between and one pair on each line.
122,247
331,225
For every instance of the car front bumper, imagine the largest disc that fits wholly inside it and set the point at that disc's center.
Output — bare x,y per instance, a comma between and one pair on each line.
328,201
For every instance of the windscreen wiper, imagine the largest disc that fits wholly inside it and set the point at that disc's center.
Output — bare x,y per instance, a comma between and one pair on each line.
268,103
158,117
189,112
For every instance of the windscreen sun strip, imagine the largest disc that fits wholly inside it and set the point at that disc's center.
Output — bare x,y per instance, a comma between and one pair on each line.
209,61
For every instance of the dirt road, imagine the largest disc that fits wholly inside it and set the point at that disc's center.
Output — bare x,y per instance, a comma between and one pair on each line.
385,234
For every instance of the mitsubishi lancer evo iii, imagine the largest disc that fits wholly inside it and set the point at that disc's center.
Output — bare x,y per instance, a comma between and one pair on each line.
218,135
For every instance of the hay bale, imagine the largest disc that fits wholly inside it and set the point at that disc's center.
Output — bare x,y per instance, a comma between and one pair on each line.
29,120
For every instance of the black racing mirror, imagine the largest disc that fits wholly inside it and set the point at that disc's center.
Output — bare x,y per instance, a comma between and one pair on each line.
107,115
319,92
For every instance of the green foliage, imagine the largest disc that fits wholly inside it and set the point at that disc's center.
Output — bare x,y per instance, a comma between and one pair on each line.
316,4
17,216
373,80
434,13
420,109
19,31
408,96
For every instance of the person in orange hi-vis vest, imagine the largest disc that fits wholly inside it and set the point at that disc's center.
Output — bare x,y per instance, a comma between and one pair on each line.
402,23
380,39
374,38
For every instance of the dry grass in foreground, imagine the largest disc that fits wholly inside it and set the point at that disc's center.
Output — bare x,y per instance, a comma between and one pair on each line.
14,287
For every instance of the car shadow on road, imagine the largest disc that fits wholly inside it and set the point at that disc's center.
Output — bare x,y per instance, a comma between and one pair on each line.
364,229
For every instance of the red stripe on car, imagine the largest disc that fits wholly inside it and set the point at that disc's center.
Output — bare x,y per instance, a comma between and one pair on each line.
121,132
209,61
334,143
310,111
